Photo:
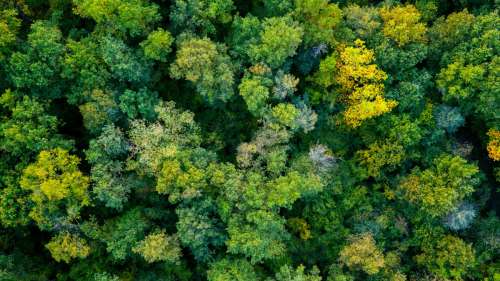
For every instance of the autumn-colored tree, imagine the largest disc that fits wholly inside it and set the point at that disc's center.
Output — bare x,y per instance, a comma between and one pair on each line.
66,246
362,253
59,190
361,83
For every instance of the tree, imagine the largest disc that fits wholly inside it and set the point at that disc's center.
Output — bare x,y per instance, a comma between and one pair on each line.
140,103
120,234
84,68
37,68
123,63
200,230
449,258
449,118
462,217
158,246
59,190
9,27
154,142
402,24
27,128
111,184
232,269
439,189
494,145
205,64
319,19
157,45
130,16
66,246
278,40
255,93
288,273
200,17
362,253
381,155
361,84
260,236
99,111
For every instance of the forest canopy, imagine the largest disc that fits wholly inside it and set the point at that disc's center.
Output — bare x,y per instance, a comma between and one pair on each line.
249,140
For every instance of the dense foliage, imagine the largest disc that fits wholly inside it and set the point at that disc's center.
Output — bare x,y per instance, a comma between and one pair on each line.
249,140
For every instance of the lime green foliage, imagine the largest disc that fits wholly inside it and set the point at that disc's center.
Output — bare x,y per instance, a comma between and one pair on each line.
158,246
65,247
255,94
285,114
58,188
362,253
287,273
9,26
260,236
279,39
157,45
320,20
132,16
205,64
450,258
439,189
229,270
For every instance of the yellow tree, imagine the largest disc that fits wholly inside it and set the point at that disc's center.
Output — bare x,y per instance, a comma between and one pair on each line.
362,253
494,144
361,83
66,246
402,24
58,188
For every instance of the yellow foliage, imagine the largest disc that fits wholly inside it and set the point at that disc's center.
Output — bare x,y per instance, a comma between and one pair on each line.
494,144
301,227
362,85
362,253
55,178
355,68
356,114
402,24
159,246
66,246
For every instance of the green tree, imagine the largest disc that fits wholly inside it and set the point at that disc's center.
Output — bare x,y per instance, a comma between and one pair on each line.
278,40
438,189
200,17
229,269
206,65
132,16
36,69
260,236
319,19
449,258
157,45
287,273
